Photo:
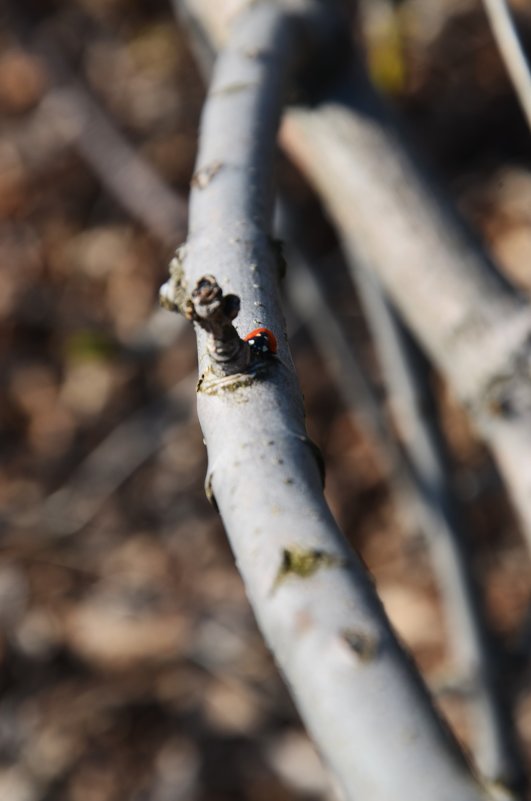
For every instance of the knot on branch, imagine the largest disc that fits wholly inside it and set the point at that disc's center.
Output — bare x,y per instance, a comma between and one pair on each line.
173,293
214,312
508,394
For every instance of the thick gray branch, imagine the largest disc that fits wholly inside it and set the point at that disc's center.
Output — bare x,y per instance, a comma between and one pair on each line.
473,325
358,693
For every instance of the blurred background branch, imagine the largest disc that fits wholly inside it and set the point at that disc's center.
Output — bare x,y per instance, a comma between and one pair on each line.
420,480
506,36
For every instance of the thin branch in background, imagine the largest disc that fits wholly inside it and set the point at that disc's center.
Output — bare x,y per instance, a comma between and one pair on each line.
510,47
443,284
130,179
312,598
76,118
129,445
422,469
159,331
79,122
313,309
413,405
69,117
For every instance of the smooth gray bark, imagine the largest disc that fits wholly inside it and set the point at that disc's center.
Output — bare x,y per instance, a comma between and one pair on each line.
357,691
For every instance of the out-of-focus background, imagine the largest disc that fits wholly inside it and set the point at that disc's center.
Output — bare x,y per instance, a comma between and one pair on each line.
130,665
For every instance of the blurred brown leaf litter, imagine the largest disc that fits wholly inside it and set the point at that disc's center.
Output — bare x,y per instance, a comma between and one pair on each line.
131,667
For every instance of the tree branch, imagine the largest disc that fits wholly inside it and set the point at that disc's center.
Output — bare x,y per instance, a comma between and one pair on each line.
128,446
511,50
493,735
75,118
357,692
421,467
473,325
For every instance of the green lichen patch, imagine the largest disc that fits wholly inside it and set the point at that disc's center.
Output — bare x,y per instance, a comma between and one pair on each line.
211,384
305,562
86,345
232,88
364,645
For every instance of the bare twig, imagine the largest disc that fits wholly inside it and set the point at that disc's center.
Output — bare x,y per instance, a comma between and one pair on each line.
69,116
411,398
511,51
79,121
75,118
313,308
422,469
355,689
59,123
212,311
474,326
109,465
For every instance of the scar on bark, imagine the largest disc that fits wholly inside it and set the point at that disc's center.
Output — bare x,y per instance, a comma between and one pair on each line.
364,645
202,177
304,563
214,312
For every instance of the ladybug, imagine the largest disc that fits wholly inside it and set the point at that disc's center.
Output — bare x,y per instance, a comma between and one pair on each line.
262,342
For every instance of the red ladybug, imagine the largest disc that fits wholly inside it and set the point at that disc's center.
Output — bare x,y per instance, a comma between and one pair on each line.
262,342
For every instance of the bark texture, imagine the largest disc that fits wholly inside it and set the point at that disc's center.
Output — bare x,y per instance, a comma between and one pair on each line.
357,691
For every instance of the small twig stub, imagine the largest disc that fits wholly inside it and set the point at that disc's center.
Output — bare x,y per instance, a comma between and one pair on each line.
214,312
